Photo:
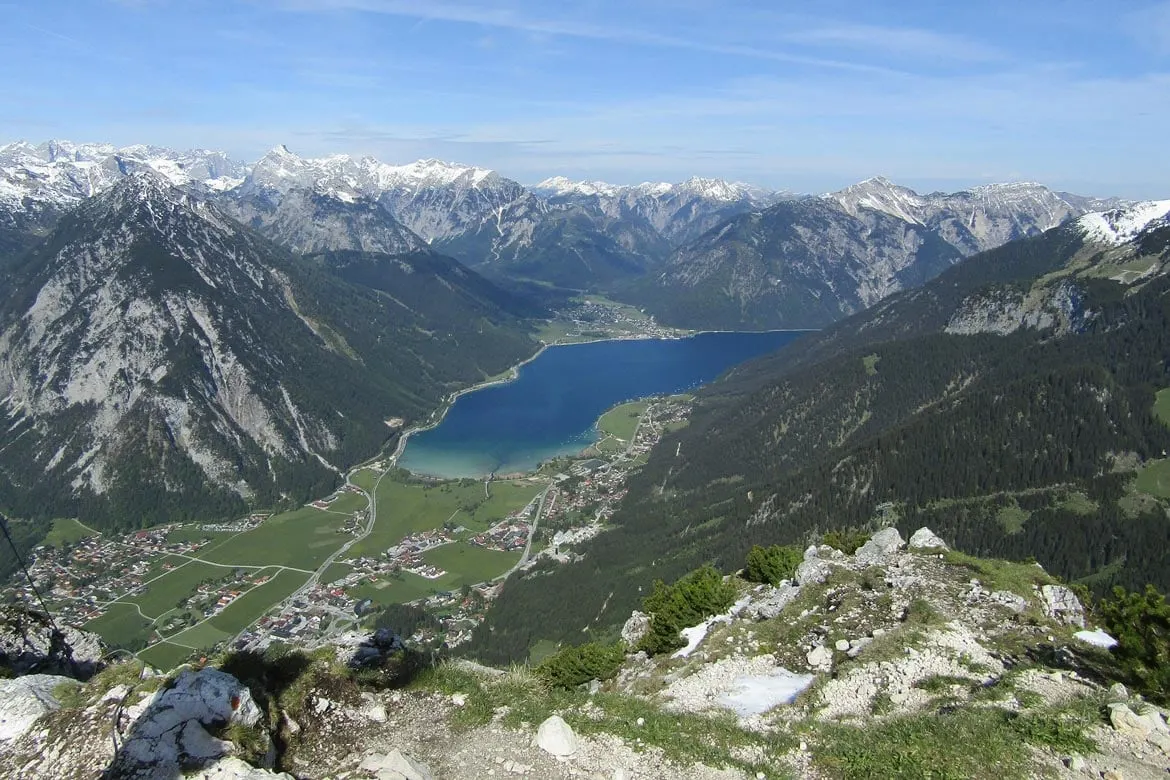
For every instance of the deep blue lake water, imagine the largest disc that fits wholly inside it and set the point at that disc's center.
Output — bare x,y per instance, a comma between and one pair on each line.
552,408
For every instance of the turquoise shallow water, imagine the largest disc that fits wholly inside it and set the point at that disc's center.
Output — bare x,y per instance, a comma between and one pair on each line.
551,409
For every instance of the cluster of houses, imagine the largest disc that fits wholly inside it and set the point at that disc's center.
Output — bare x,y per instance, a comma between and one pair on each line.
508,536
237,526
80,577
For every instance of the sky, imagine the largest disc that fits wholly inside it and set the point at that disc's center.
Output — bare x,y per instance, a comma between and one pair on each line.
808,96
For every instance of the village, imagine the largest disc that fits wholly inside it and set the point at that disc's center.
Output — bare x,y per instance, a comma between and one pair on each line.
84,578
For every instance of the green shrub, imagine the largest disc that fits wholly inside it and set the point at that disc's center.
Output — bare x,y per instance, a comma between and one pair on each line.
689,601
1141,624
772,564
573,666
847,541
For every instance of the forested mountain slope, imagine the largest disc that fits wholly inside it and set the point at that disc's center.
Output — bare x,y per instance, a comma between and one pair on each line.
1008,404
161,361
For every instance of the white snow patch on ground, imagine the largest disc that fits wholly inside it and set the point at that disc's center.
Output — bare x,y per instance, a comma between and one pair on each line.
1097,638
755,694
695,634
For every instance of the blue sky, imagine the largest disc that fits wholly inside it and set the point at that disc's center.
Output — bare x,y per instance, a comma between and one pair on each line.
808,96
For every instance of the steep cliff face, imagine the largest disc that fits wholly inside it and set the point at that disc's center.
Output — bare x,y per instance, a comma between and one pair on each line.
162,359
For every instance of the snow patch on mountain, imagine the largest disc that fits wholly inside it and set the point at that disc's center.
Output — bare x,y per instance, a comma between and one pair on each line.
1117,226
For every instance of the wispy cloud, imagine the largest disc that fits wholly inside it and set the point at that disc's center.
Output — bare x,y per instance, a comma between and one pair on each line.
511,19
905,42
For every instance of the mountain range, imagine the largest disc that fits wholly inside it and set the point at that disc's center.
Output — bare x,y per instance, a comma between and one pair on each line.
185,336
1009,402
651,244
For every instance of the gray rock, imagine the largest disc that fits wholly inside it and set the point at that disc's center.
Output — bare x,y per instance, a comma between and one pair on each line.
1128,722
1075,763
1118,692
25,699
171,730
881,547
770,603
1159,740
556,737
359,650
812,571
635,628
926,539
29,643
1060,603
232,768
842,645
820,657
395,766
1013,601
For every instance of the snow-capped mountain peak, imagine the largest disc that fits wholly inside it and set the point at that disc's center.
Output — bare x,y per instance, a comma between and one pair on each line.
561,185
880,194
1117,226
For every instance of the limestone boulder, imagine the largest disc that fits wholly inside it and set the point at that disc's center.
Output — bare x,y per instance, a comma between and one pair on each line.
926,539
395,766
880,548
556,737
1060,603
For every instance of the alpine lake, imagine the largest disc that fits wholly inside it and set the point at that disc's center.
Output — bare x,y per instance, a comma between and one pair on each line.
551,408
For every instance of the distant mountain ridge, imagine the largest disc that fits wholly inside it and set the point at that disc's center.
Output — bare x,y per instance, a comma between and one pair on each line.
698,253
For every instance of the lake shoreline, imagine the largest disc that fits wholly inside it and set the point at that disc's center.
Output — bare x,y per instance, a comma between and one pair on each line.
513,374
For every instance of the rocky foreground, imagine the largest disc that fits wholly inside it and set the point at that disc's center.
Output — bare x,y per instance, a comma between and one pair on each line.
895,661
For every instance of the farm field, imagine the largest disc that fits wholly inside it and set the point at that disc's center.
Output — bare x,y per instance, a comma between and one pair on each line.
405,508
300,539
67,531
165,655
470,564
121,626
622,420
165,593
1154,479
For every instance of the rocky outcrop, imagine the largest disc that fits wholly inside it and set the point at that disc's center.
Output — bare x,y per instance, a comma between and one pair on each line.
1062,604
357,650
880,548
30,642
636,627
25,699
175,728
926,539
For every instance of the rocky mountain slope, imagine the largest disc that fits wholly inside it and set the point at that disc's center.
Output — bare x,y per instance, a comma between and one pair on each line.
808,263
799,264
892,660
1009,403
676,213
578,235
973,220
160,360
